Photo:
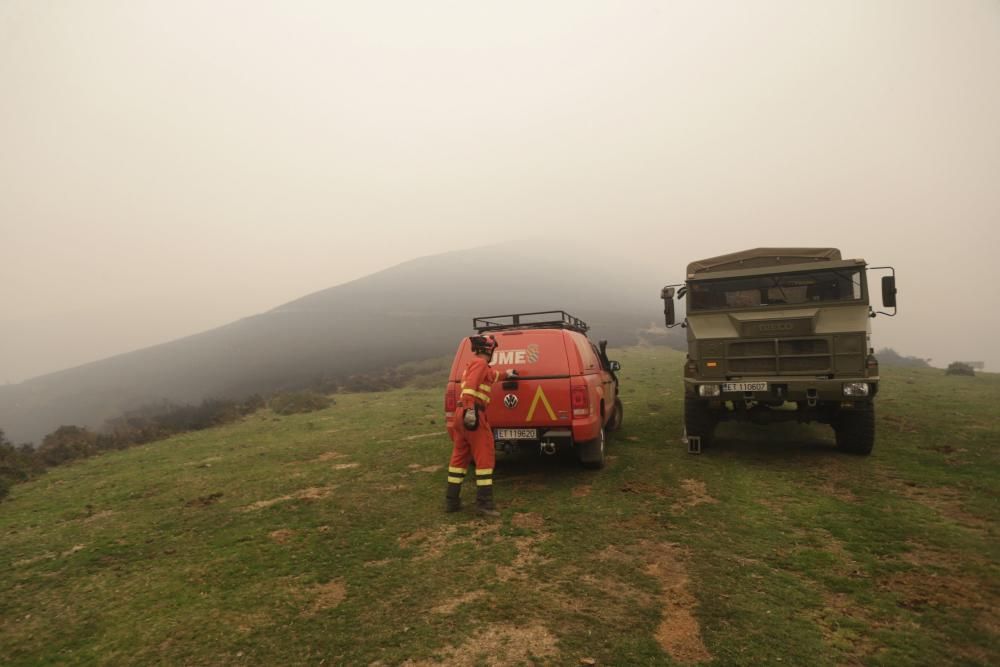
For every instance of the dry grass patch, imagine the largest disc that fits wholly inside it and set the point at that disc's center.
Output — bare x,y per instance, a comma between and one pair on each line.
697,494
581,491
416,467
324,596
310,494
498,644
282,535
451,606
432,541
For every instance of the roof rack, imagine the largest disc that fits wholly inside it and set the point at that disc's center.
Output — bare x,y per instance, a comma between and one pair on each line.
546,319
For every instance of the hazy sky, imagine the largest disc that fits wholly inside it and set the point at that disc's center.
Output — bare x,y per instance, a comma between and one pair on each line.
166,167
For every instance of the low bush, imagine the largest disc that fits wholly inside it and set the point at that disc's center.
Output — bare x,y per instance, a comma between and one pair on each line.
295,402
959,368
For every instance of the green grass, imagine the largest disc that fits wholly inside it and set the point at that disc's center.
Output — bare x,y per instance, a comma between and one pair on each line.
320,538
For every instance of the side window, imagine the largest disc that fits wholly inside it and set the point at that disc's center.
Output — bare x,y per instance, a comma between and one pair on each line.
587,355
600,359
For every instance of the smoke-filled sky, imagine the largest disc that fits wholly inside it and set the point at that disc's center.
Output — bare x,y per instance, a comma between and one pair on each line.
167,167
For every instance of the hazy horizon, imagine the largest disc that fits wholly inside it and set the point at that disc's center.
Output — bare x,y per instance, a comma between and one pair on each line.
172,167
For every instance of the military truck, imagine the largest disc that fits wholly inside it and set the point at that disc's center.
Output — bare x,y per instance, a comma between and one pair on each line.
780,334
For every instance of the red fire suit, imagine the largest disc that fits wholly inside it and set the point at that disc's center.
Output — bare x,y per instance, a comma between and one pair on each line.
476,445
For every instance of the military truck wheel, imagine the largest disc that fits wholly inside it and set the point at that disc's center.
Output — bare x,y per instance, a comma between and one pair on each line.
592,453
856,431
699,420
617,416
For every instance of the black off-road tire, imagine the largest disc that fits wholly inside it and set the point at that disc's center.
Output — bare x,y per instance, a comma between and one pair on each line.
699,420
855,430
591,453
617,416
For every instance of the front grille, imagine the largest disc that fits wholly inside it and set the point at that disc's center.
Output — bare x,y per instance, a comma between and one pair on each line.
780,356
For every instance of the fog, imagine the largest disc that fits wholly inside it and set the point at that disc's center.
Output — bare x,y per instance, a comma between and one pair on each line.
166,168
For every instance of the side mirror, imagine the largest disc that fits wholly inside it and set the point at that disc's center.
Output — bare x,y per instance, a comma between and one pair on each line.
615,366
889,291
668,305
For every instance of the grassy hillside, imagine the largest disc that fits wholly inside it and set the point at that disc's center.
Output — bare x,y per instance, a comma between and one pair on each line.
352,328
320,539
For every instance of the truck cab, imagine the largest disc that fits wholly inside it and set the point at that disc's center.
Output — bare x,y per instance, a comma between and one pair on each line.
565,394
778,334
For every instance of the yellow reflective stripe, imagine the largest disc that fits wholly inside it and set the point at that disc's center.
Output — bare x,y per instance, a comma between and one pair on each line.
478,394
484,471
455,480
457,471
485,387
540,396
486,481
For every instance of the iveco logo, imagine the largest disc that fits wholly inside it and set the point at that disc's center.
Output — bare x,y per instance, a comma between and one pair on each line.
510,400
777,326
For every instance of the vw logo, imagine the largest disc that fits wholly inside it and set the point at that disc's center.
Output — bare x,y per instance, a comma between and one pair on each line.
510,400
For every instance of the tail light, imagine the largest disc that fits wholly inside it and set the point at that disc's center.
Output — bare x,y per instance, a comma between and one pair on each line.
450,402
580,400
690,368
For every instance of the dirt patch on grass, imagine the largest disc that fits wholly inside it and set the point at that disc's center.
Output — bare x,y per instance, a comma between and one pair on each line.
679,632
392,488
282,535
498,644
645,489
310,494
97,516
204,501
451,606
581,491
526,556
944,500
431,541
421,435
325,596
330,456
528,520
612,554
919,590
346,466
831,488
697,494
34,559
416,467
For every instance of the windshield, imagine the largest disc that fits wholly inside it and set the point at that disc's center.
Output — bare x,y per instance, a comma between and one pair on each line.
777,290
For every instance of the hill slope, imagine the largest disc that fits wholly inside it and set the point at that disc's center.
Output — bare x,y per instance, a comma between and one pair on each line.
321,538
412,311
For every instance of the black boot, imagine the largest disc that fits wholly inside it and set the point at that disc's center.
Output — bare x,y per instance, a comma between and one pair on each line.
452,499
484,501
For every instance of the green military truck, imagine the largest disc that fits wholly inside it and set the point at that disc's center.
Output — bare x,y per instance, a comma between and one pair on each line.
780,334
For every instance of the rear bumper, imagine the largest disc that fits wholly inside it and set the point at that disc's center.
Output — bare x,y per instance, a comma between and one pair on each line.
787,388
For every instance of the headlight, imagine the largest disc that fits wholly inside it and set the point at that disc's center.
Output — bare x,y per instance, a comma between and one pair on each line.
855,389
708,390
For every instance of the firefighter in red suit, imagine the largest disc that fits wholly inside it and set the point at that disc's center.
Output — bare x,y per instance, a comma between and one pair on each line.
471,432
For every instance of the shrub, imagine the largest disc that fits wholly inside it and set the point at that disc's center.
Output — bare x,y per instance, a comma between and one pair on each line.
889,357
959,368
67,443
294,402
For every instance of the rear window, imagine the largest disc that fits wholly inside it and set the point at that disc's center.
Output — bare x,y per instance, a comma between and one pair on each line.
531,353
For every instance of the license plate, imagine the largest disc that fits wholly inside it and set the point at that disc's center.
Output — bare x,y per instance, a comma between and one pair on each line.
744,386
515,434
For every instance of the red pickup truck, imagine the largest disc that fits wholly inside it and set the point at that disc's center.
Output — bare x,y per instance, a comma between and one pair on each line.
565,394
